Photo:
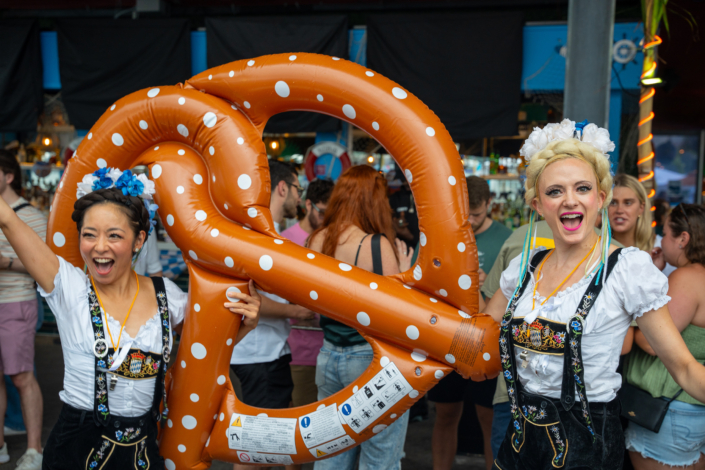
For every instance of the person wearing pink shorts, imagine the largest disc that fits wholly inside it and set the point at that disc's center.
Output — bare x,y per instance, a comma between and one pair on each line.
18,320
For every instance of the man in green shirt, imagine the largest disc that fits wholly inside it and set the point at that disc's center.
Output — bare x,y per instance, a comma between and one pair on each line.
450,393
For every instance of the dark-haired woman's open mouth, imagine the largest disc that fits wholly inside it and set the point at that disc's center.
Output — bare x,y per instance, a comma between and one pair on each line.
103,265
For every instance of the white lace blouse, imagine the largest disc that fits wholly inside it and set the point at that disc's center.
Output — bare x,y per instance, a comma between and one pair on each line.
69,304
635,287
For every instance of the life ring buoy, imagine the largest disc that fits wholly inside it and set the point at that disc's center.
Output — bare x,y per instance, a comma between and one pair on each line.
202,142
336,161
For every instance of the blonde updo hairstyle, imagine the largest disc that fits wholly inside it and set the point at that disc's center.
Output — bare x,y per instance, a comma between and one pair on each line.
569,148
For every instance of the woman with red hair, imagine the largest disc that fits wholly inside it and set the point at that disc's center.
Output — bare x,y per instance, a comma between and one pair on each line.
357,229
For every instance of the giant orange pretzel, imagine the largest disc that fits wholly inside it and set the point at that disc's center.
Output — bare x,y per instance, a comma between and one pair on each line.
202,142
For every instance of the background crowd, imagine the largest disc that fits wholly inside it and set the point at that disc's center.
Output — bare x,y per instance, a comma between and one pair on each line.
295,356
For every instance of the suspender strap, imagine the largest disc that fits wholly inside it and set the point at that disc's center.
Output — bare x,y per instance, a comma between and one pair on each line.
573,370
376,253
101,407
159,386
506,348
101,411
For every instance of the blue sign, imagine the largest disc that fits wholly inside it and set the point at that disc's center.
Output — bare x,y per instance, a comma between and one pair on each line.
545,48
347,409
305,422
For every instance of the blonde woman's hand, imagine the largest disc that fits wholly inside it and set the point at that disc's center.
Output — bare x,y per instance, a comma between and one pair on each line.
248,306
405,254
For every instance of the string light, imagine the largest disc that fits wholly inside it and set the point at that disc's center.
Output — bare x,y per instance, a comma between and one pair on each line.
648,80
645,140
647,177
647,118
646,158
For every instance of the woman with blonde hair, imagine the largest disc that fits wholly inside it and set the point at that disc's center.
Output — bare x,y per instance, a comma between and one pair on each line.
564,313
630,217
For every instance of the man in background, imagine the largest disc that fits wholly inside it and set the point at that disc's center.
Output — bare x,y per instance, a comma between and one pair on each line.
450,393
306,337
18,319
261,360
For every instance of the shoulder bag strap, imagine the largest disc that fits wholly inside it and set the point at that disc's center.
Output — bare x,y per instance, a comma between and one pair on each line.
159,386
376,253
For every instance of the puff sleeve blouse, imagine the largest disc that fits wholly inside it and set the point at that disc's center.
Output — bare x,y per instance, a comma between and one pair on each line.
635,287
69,304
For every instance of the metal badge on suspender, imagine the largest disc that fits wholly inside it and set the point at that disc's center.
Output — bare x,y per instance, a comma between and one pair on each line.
524,356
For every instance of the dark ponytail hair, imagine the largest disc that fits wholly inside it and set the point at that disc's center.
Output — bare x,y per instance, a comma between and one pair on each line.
690,218
132,206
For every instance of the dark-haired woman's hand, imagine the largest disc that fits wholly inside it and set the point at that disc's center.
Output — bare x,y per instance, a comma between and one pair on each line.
658,258
404,254
248,306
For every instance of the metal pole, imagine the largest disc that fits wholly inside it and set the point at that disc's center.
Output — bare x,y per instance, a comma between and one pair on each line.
589,60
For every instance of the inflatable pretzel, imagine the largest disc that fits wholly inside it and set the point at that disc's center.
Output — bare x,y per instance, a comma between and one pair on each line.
202,143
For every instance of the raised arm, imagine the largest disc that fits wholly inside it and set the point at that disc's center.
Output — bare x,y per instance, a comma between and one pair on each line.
663,336
37,258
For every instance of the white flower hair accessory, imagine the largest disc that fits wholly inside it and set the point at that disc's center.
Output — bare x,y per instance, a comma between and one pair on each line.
131,185
591,134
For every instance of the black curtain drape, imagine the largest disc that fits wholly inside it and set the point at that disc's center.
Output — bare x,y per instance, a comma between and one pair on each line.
101,61
465,66
231,39
21,95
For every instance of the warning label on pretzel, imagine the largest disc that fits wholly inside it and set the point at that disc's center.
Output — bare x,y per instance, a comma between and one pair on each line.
255,457
375,398
320,426
467,342
332,447
262,434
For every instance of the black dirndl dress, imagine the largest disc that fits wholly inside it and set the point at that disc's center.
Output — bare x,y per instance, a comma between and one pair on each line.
547,433
96,439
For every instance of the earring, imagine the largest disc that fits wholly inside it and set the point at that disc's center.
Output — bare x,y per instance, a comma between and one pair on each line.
680,247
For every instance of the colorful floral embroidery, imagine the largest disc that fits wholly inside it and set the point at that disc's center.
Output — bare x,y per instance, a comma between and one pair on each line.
127,435
98,455
576,331
559,446
101,393
142,461
166,341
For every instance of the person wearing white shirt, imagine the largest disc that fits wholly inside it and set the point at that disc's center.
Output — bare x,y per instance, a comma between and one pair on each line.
115,326
564,313
261,360
148,263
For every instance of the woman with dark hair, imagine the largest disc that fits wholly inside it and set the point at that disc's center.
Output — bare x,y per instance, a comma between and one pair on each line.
357,229
681,439
115,326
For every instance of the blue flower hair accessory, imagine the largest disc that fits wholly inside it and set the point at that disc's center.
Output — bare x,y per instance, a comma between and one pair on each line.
130,184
